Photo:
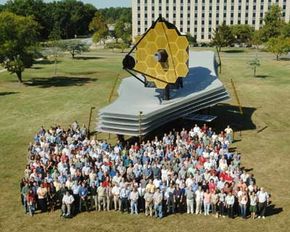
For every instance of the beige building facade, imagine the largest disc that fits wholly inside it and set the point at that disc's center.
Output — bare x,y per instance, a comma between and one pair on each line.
201,17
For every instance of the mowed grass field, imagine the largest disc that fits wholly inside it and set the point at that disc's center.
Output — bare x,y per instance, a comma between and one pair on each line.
81,83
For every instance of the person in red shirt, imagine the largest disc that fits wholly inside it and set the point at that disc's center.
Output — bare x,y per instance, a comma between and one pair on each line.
30,198
212,186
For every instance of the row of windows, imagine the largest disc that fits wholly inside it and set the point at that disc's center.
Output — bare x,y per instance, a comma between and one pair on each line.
217,15
210,8
210,22
204,1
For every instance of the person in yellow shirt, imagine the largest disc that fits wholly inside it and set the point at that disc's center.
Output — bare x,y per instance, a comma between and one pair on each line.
150,187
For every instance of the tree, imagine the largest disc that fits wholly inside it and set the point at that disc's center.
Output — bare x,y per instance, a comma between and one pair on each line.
112,14
18,36
273,23
254,64
191,39
54,44
242,33
99,27
75,47
278,46
35,8
123,31
15,65
222,37
257,38
286,30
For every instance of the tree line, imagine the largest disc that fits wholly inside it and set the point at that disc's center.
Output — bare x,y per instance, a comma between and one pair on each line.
71,17
274,35
26,23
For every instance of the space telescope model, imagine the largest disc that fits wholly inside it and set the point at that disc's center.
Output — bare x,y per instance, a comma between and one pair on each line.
161,57
168,82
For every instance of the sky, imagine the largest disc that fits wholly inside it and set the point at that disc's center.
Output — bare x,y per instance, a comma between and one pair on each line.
100,3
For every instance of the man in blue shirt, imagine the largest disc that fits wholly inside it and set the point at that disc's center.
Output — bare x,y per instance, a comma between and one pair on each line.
83,193
124,195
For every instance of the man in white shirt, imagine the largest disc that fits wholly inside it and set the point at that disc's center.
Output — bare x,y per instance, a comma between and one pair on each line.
263,199
134,195
198,200
116,196
67,201
230,201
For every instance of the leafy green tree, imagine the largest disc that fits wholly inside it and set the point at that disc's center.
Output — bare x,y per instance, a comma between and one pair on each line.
286,30
35,8
242,33
191,40
254,63
74,47
73,17
222,37
15,65
257,38
54,44
123,31
273,23
99,27
113,14
278,46
18,37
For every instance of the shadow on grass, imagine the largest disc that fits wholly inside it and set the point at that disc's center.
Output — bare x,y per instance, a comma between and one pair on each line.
88,58
261,76
226,115
59,81
45,61
7,93
271,210
234,51
82,73
285,58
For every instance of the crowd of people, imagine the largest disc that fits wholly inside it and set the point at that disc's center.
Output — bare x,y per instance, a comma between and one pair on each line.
191,172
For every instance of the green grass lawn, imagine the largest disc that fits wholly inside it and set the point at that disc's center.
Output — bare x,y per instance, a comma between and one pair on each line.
84,82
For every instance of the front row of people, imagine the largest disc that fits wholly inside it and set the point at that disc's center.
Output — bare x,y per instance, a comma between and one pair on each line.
156,201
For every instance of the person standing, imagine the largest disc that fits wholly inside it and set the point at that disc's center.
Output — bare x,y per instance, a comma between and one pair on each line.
134,195
94,196
243,204
109,196
206,201
116,197
42,198
229,134
263,199
24,192
67,202
30,199
83,193
214,201
198,200
253,205
189,194
101,191
124,195
221,203
148,203
157,199
230,201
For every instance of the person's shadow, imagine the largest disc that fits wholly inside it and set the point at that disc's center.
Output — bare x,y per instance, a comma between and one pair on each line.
272,210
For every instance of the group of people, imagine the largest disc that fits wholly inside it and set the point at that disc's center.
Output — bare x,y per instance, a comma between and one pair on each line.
191,172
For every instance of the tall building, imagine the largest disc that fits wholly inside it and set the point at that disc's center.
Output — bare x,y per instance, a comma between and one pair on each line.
201,17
